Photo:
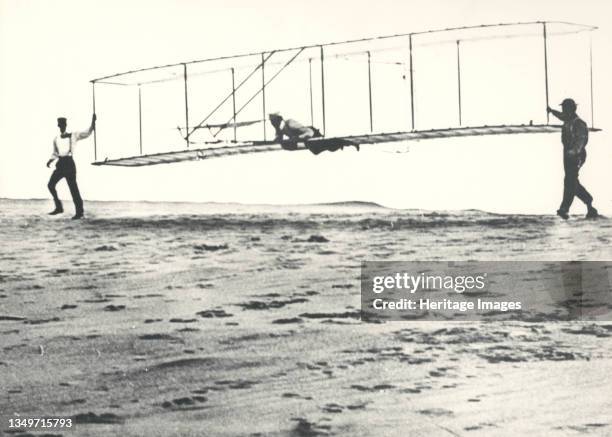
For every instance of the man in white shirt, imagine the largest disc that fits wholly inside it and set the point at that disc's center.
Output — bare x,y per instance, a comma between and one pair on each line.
63,147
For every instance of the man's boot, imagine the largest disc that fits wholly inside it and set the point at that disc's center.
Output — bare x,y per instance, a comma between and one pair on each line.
592,212
78,214
58,208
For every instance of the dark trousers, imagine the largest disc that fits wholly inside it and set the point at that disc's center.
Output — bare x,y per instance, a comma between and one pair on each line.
571,185
330,145
65,168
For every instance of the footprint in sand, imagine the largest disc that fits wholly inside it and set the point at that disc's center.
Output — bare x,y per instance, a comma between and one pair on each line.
296,396
345,315
587,427
479,426
99,300
188,329
183,362
237,384
594,330
314,239
214,313
332,408
379,387
104,418
263,305
42,321
358,406
305,428
160,337
209,247
142,296
75,402
105,248
436,412
288,321
11,319
188,402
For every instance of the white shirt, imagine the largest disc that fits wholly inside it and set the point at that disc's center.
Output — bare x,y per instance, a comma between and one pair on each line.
65,146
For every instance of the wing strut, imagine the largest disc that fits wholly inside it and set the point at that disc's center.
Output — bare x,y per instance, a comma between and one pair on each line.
263,61
262,88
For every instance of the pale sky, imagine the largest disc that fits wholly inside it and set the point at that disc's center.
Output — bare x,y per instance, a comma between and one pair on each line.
49,50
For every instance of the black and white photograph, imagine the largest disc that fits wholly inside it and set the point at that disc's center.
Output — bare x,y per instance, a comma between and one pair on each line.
305,218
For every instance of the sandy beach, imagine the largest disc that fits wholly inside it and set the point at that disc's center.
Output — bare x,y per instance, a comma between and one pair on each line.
232,320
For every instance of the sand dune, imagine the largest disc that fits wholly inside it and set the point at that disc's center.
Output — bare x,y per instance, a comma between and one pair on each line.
186,320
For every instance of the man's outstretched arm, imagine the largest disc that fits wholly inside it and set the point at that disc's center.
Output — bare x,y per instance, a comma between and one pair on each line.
557,114
87,133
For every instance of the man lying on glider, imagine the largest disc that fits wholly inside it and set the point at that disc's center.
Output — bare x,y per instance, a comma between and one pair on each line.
295,133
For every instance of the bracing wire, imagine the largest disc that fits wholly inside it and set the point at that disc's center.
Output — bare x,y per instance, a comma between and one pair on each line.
262,88
261,64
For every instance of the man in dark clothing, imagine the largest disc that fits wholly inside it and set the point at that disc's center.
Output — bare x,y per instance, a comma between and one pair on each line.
63,148
574,136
